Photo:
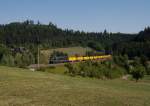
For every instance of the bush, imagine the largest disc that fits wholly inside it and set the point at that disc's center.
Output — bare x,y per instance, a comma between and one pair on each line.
138,72
96,46
116,72
3,51
95,70
147,68
18,60
148,71
71,69
8,60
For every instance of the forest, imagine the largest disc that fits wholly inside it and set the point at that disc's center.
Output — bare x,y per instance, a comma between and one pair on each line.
19,41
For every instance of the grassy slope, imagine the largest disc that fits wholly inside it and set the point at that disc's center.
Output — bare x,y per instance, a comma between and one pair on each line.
70,51
22,87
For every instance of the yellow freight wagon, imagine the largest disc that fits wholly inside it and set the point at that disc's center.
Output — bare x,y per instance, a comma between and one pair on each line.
94,57
72,59
80,58
84,58
91,57
98,57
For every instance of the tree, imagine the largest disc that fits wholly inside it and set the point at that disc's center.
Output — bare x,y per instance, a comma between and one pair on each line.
3,50
144,60
71,69
26,59
138,72
105,32
148,68
8,60
137,61
96,46
18,60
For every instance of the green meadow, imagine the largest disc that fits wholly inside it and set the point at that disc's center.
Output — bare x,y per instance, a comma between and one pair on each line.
21,87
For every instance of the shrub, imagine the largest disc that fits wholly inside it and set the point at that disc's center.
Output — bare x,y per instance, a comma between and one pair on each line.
71,69
138,72
18,60
8,60
116,72
148,70
95,70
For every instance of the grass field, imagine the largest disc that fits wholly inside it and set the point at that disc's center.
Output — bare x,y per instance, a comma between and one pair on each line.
71,51
21,87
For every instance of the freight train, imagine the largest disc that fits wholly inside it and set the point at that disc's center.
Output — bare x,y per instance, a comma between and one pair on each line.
65,59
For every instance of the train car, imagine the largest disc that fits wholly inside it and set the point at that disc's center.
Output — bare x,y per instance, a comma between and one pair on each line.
60,59
71,59
91,57
78,58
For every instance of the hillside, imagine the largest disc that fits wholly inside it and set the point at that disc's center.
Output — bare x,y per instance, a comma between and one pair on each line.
29,34
143,35
139,46
23,87
19,42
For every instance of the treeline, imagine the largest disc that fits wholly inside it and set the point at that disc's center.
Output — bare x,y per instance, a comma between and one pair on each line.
19,57
30,35
139,46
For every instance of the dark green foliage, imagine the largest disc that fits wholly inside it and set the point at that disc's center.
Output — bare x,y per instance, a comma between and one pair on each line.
16,57
148,69
18,60
23,37
143,35
3,51
144,60
138,46
8,60
71,69
122,61
24,59
115,72
134,49
96,46
27,34
95,70
138,72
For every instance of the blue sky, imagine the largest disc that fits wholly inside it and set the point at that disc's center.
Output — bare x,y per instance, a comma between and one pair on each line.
89,15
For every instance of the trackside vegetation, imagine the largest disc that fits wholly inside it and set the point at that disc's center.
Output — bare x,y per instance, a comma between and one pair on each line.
100,70
118,67
19,42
